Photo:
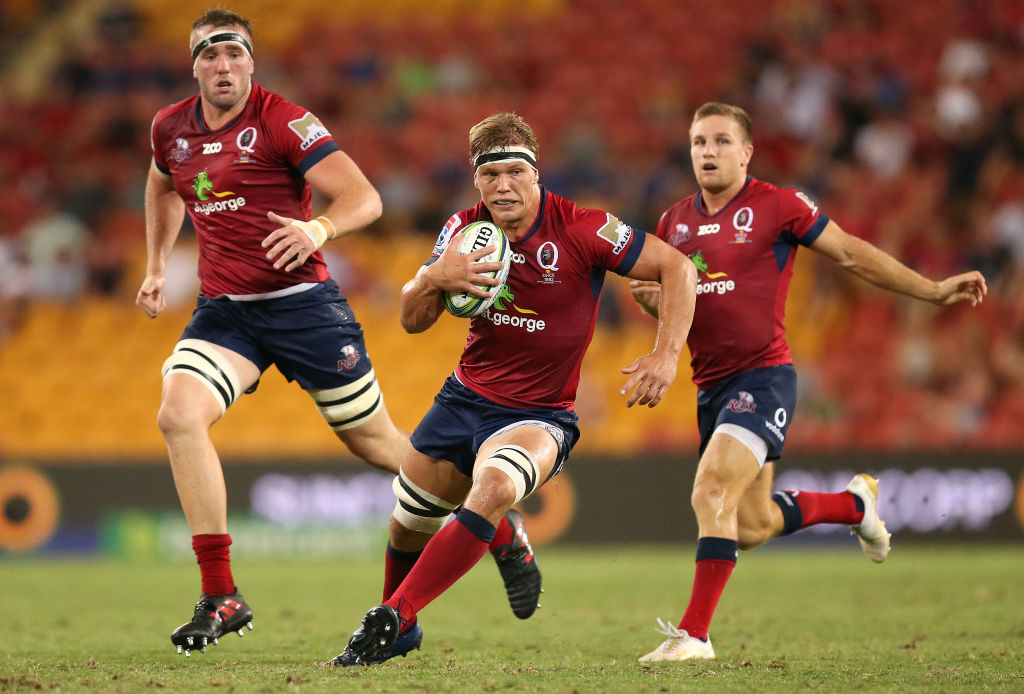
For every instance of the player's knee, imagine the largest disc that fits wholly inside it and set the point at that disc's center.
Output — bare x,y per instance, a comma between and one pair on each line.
509,472
418,510
199,360
493,492
177,418
709,494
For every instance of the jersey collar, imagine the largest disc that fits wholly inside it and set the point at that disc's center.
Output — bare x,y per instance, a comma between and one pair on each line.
699,200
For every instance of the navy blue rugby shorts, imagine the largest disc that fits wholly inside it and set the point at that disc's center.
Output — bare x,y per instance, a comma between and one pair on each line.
312,337
759,400
460,421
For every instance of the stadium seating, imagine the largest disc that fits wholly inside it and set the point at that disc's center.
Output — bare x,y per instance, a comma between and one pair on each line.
80,380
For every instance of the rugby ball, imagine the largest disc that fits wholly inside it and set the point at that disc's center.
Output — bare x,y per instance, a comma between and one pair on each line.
474,237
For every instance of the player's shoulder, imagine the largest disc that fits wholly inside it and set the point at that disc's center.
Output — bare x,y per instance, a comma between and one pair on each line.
766,189
460,219
684,205
182,109
789,200
270,104
585,227
566,214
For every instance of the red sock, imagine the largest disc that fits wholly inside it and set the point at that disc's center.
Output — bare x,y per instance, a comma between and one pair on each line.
397,565
827,508
214,556
450,553
504,534
716,558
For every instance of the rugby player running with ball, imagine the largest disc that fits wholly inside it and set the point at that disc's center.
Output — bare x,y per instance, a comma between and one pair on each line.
503,424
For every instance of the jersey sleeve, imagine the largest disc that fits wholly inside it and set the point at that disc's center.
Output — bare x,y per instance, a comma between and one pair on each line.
662,231
614,245
454,223
800,217
156,143
299,136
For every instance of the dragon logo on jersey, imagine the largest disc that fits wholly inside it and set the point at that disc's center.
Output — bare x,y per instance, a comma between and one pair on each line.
716,286
202,184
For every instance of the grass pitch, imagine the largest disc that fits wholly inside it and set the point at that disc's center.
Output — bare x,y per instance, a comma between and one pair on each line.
935,619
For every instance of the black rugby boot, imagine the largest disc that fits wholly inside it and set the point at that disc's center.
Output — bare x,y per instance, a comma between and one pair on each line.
215,616
518,566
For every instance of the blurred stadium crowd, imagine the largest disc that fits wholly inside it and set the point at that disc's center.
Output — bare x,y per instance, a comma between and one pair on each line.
904,121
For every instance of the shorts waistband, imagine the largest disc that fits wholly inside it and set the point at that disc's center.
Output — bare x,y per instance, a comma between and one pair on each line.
276,294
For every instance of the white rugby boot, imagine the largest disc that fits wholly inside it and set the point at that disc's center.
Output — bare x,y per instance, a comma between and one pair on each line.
679,646
874,538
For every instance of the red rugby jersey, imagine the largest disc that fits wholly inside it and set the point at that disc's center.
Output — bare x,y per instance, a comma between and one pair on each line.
231,177
744,257
525,351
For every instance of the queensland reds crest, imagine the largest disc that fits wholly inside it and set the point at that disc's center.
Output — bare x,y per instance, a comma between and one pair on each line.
680,236
743,222
744,403
246,142
349,358
547,258
181,150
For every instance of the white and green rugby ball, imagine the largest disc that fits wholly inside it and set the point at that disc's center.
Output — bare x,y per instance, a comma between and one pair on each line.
474,237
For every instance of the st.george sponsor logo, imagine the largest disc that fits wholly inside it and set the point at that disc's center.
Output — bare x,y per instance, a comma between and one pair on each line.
498,315
719,287
716,286
203,186
501,318
209,208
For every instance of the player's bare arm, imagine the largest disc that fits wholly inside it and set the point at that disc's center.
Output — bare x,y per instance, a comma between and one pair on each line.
422,296
882,270
652,374
165,212
354,204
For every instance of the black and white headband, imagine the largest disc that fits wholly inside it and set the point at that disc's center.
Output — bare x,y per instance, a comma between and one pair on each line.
506,154
221,37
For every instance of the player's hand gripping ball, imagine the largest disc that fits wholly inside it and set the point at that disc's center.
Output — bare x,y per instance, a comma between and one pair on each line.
474,237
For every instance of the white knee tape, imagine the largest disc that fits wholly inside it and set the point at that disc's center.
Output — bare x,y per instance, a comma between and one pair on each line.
351,405
418,509
519,465
198,359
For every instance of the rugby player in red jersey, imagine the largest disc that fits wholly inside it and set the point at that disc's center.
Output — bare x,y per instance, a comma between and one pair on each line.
742,234
242,161
503,424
